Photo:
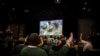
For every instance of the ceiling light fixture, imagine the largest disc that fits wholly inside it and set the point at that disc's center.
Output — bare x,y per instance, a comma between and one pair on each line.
57,1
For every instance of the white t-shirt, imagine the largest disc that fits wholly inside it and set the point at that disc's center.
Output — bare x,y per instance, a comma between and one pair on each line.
87,45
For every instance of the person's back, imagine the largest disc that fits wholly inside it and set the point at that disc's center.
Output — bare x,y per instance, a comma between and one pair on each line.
19,47
62,52
32,51
61,49
87,45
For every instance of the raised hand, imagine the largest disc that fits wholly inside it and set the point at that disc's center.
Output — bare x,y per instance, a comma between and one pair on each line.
42,42
81,36
69,41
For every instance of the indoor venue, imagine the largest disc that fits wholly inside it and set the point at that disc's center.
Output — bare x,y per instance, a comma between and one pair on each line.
49,28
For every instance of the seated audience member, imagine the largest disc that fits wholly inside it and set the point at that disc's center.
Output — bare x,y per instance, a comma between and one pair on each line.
8,42
32,49
60,49
19,47
87,45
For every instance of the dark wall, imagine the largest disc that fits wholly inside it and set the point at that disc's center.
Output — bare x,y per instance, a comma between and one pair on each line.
86,26
38,10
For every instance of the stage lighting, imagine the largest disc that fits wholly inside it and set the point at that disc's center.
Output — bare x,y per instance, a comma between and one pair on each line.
57,1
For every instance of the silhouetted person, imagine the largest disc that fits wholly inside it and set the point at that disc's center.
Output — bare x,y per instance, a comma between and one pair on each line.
61,50
32,49
19,47
87,45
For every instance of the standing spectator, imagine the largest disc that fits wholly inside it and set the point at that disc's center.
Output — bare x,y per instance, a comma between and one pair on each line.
87,45
61,50
32,49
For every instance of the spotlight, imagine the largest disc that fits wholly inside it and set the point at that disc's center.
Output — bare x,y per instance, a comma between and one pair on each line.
57,1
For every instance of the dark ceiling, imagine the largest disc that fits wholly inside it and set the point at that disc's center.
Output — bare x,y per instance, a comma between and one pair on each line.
24,10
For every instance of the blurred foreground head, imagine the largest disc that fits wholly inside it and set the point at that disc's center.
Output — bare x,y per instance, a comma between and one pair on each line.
34,39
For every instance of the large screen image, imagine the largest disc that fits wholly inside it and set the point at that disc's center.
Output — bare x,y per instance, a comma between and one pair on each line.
51,27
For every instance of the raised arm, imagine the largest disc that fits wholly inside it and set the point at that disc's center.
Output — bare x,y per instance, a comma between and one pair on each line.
42,42
81,36
70,40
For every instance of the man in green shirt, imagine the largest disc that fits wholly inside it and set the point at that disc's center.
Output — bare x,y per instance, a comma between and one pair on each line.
32,49
62,50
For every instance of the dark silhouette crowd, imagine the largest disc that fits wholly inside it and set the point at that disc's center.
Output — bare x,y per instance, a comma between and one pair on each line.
36,45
